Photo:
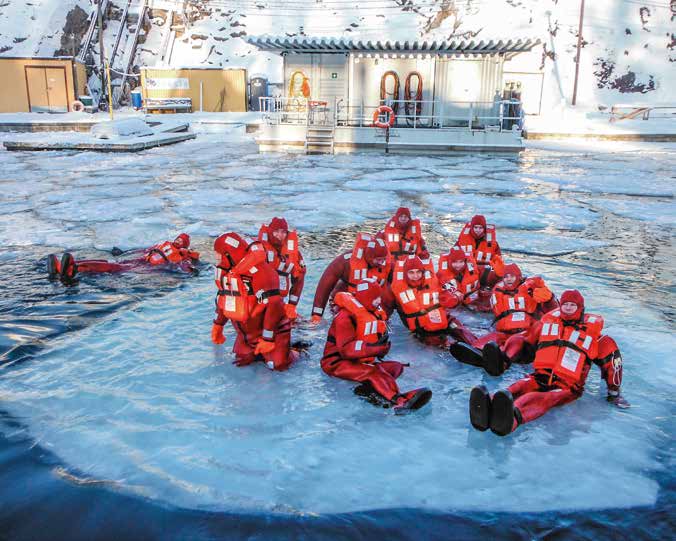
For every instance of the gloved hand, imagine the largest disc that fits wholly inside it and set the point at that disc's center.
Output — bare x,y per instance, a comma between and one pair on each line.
498,265
458,295
217,334
424,254
382,350
116,251
316,319
290,311
542,294
264,347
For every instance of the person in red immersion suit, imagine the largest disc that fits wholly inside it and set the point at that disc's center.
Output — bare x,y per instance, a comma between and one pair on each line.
280,250
568,343
420,304
479,241
165,254
368,259
403,236
458,276
357,342
249,296
517,305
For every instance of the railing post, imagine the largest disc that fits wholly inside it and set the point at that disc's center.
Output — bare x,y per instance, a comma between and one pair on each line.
471,113
415,108
501,114
361,114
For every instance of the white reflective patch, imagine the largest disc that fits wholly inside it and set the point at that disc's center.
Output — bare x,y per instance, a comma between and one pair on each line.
400,276
587,342
253,270
362,287
360,253
435,297
426,298
234,286
271,256
230,303
347,256
317,310
403,297
591,319
268,334
396,237
293,298
488,256
479,256
489,237
414,229
356,274
358,345
283,284
494,300
390,237
290,245
380,242
232,242
444,265
468,288
371,245
392,223
289,267
466,231
555,329
264,237
522,303
571,359
556,314
519,316
407,247
270,365
574,336
512,305
545,328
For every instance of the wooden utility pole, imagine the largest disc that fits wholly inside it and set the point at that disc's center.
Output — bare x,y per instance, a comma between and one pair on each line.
102,62
579,46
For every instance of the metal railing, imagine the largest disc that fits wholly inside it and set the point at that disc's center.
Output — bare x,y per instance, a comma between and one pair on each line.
471,115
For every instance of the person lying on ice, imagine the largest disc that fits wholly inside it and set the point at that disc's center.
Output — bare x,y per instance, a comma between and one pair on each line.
478,240
249,296
357,342
458,275
421,304
517,304
175,253
368,259
280,250
403,236
568,342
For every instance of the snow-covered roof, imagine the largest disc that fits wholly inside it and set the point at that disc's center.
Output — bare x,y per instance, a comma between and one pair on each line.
334,45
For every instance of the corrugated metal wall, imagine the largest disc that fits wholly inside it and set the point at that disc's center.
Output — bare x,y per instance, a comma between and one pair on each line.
222,90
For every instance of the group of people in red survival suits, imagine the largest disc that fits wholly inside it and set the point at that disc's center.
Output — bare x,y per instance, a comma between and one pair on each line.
259,285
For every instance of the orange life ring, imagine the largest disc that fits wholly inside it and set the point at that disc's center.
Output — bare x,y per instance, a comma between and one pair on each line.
77,106
381,111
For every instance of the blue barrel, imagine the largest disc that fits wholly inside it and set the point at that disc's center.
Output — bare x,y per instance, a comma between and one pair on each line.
136,99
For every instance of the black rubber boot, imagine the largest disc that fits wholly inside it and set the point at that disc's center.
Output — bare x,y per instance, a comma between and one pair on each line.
480,408
466,354
412,400
68,267
502,413
366,391
53,267
495,361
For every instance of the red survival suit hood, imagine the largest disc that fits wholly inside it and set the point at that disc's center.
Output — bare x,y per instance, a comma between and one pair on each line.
477,219
514,269
375,252
456,254
182,241
367,292
402,211
414,263
275,224
572,295
232,248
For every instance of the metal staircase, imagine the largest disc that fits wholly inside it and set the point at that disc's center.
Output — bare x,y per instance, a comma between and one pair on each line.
319,139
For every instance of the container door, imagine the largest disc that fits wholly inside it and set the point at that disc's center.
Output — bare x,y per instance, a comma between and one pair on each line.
56,90
38,100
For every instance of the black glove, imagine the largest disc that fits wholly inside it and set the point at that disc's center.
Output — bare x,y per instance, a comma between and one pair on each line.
116,251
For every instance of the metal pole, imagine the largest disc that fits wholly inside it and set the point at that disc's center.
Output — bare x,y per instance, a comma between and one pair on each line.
110,92
579,45
102,62
201,94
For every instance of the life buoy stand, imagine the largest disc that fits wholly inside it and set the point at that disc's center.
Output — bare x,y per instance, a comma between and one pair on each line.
381,111
77,106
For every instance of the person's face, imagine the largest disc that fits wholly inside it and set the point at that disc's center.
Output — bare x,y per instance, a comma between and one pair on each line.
178,242
379,262
458,266
279,235
414,275
568,308
403,219
376,303
478,230
510,279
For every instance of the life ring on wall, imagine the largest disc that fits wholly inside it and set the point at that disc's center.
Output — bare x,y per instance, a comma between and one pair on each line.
77,106
381,111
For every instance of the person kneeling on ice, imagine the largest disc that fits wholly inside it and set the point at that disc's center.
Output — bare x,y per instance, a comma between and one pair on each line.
517,304
357,342
458,275
369,259
568,342
478,240
249,297
420,304
403,236
166,254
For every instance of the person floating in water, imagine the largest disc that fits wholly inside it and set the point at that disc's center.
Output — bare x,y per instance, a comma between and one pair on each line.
568,343
168,254
358,341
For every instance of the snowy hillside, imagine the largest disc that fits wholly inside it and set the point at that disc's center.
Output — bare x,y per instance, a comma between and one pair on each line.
629,46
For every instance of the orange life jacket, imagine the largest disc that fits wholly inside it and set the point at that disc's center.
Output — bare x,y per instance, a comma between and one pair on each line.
485,251
469,282
419,306
403,245
287,263
233,300
565,350
359,269
370,326
513,309
164,253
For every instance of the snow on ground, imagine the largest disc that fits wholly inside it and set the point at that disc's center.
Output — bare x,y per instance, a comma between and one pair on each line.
143,399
